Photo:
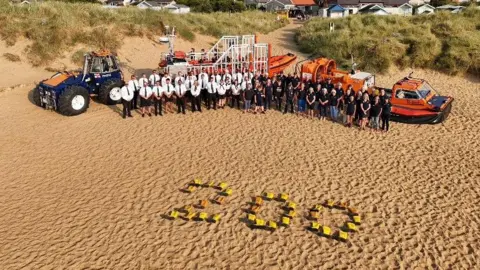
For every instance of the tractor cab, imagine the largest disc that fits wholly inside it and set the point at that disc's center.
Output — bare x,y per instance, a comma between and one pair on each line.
100,66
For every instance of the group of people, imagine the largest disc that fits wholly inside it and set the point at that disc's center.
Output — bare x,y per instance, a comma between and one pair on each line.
256,93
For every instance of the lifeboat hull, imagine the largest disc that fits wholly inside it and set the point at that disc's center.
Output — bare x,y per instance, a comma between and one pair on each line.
419,116
279,63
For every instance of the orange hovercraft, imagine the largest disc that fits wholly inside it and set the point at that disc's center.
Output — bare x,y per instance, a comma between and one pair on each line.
413,100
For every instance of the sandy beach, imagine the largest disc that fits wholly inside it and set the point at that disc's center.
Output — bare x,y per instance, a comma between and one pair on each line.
90,191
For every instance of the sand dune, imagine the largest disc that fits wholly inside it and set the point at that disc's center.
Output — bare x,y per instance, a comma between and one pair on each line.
89,192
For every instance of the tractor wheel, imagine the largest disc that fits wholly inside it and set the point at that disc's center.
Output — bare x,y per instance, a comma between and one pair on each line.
109,92
73,101
36,97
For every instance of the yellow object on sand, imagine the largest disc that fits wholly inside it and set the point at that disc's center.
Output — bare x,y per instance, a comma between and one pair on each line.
330,203
191,189
251,217
357,219
342,235
202,215
351,226
353,210
220,200
216,218
314,214
255,209
211,184
259,222
286,221
283,197
318,207
269,195
342,205
228,191
174,214
222,185
291,205
191,215
204,203
291,214
188,208
326,230
272,225
258,200
315,226
197,182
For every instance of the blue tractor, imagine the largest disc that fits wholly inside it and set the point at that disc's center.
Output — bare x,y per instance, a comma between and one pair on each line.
69,93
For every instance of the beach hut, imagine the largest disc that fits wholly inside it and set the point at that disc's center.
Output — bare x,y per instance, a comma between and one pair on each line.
276,5
404,10
307,6
378,7
418,2
373,9
155,5
25,2
256,3
451,8
334,11
424,9
177,8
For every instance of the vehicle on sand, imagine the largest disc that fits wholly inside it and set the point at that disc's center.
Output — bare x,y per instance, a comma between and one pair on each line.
413,100
69,93
230,53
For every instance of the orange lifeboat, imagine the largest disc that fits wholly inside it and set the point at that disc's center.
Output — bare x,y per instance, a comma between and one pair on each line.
279,63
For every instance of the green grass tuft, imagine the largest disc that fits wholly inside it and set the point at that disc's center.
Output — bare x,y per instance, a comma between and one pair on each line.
442,41
54,27
11,57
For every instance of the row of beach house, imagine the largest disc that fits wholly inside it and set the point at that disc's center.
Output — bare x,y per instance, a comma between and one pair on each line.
325,8
167,5
343,8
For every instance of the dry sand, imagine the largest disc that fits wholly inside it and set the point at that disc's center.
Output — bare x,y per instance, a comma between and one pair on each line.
88,192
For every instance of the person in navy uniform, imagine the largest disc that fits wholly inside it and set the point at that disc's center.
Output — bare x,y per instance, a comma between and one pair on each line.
364,111
268,94
157,98
248,95
350,109
212,88
134,86
328,85
146,99
180,91
278,92
127,96
196,91
386,112
236,92
323,103
310,102
289,99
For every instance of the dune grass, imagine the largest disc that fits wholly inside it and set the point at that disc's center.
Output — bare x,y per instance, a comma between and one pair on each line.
443,41
11,57
54,27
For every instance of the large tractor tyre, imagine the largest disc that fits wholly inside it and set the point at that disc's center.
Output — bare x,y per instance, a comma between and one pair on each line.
36,97
73,101
109,92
